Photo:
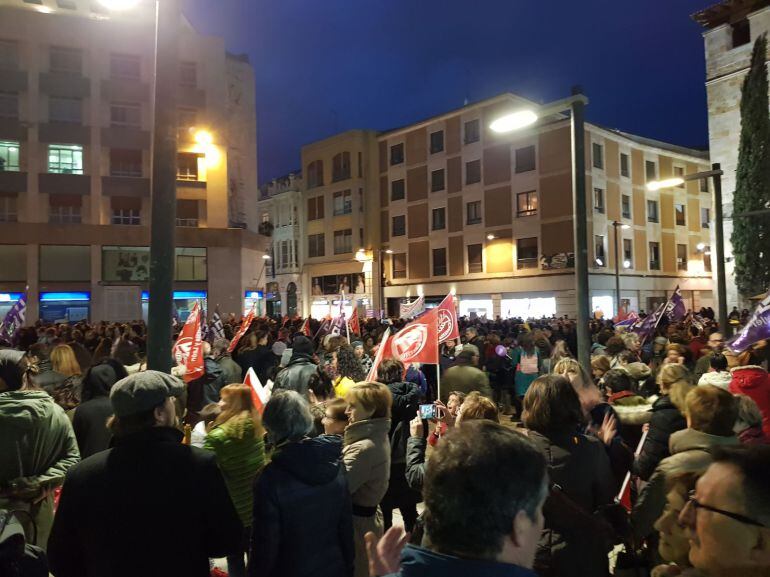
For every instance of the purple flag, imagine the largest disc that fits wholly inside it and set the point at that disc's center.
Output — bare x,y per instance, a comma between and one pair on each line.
757,329
648,325
629,322
14,320
675,309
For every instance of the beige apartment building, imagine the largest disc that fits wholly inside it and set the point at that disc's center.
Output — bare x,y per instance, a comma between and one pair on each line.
489,217
76,117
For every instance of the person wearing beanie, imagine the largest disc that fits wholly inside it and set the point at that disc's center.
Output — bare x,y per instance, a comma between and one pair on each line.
149,505
296,375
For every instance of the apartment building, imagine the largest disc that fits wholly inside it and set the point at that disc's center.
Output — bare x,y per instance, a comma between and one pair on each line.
490,218
280,210
76,113
730,29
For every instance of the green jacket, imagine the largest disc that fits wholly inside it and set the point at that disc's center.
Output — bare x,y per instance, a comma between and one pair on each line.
240,456
37,443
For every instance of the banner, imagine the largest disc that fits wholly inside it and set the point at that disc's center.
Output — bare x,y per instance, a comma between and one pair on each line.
14,320
675,308
648,325
446,319
757,329
372,376
242,330
188,350
217,326
259,395
631,319
412,309
417,342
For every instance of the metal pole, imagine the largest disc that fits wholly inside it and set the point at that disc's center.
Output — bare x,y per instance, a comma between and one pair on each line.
615,225
581,230
719,233
381,289
163,200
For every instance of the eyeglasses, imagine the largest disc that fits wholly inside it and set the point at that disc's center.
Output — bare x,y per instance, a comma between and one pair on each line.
736,516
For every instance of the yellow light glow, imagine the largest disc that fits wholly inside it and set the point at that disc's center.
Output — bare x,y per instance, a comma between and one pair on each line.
667,183
44,9
490,237
204,138
119,4
514,121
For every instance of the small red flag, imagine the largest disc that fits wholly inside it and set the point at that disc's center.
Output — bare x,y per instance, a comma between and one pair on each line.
241,331
259,395
354,324
446,319
188,350
305,328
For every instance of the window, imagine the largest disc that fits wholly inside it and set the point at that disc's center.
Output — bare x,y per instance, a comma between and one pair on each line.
187,117
624,165
439,262
67,4
126,66
472,131
473,212
599,200
398,263
126,210
679,173
397,190
625,206
9,55
741,32
599,257
628,253
65,159
473,172
315,174
188,74
439,218
679,211
341,167
436,141
654,256
125,162
126,114
65,209
187,166
343,202
190,264
526,253
9,156
650,170
360,165
437,180
475,262
399,225
316,245
360,200
9,105
8,209
652,211
704,184
681,257
526,203
705,216
315,208
343,241
187,213
65,109
69,60
598,155
525,159
284,259
396,154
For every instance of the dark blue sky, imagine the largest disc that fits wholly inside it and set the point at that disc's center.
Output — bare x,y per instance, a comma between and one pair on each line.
324,66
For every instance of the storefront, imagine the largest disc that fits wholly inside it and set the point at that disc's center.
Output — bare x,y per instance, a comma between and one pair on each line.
252,299
528,307
65,307
183,303
7,300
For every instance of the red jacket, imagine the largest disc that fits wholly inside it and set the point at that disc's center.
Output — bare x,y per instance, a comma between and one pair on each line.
754,382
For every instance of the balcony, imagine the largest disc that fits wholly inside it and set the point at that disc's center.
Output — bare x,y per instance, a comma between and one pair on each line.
126,138
123,90
12,129
13,181
125,186
69,132
65,84
50,183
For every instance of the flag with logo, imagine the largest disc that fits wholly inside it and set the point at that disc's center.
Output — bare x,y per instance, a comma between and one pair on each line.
242,330
417,342
354,324
13,321
217,326
650,323
757,329
259,395
412,309
188,350
631,319
675,308
384,345
445,315
305,328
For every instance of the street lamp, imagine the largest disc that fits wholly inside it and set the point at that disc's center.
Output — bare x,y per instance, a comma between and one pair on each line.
719,234
626,263
519,119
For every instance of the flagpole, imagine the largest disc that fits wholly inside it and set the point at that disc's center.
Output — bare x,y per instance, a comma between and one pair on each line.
438,378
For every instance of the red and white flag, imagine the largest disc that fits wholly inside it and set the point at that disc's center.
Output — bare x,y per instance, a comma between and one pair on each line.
305,328
624,497
354,325
417,342
446,319
188,349
241,331
259,394
384,346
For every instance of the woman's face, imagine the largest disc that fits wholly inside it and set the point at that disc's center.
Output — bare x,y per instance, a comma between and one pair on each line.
332,426
359,352
672,356
334,360
674,546
356,412
452,404
597,373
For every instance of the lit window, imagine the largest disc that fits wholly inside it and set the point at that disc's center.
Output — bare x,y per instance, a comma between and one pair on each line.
9,156
65,159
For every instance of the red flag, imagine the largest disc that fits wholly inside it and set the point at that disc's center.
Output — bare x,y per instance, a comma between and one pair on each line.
241,331
188,350
446,319
305,328
258,394
285,320
417,342
384,346
354,324
624,497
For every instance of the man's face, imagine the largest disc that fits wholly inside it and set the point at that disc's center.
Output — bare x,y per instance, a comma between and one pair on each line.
166,416
470,334
716,342
674,544
530,531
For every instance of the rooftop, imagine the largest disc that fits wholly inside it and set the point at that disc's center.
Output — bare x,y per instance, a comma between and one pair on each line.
727,12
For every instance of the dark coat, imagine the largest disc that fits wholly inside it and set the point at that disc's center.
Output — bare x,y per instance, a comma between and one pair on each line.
406,401
296,375
204,390
580,466
148,506
260,359
303,519
420,562
90,425
82,355
666,419
415,462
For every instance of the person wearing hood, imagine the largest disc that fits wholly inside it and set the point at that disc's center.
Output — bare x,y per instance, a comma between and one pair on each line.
754,382
748,425
366,454
230,369
205,389
632,409
37,444
302,516
90,417
366,360
711,413
717,375
296,375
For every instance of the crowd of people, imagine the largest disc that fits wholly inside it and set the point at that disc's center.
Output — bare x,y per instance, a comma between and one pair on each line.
507,458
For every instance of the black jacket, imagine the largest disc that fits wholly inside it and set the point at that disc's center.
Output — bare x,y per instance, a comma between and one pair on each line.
406,401
296,375
204,390
666,419
148,506
303,519
90,425
260,359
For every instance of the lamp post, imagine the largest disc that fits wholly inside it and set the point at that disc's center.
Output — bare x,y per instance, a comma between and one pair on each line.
716,174
520,119
615,225
362,256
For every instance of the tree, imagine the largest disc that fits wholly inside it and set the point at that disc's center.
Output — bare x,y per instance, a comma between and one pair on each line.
751,235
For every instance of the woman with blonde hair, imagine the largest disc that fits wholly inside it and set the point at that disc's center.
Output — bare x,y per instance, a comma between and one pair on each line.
366,454
237,440
66,392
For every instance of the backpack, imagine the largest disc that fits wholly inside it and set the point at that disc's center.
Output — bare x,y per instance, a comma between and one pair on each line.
528,364
17,557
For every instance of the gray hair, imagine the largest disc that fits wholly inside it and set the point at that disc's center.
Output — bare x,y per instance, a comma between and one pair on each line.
220,346
748,412
287,417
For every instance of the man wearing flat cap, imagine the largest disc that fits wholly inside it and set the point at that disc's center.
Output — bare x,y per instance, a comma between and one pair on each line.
149,505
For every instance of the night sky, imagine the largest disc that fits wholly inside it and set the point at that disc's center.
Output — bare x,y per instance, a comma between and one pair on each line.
325,66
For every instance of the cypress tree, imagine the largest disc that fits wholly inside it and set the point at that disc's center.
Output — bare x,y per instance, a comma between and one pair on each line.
751,235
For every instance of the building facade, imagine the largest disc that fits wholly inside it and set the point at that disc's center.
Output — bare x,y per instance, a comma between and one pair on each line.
489,217
280,209
731,28
76,113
